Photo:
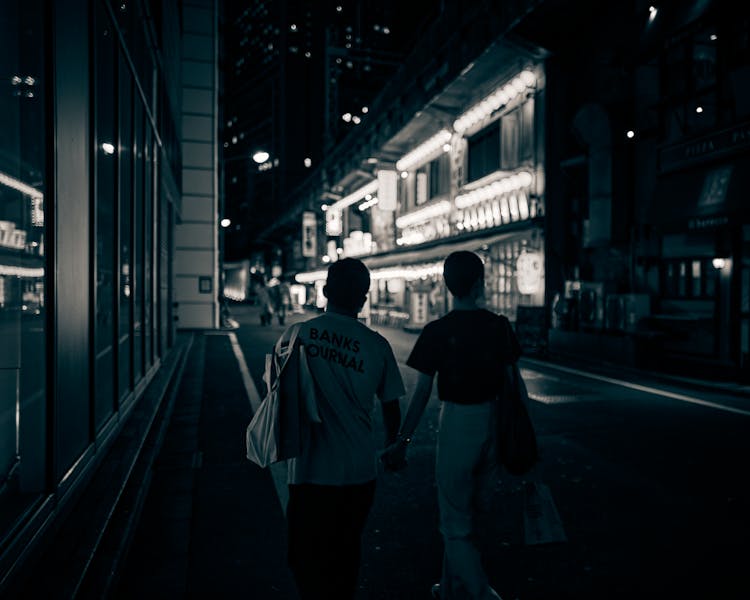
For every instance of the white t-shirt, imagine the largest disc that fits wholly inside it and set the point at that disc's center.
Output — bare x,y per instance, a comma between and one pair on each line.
350,364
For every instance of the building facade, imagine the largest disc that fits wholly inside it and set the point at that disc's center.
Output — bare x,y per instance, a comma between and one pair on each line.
623,157
90,191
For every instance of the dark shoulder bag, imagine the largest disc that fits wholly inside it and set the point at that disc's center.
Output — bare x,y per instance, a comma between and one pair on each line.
515,441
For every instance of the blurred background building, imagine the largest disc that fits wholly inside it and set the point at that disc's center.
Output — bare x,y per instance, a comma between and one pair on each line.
298,76
593,153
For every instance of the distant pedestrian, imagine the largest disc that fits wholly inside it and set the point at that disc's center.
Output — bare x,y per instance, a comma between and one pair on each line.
264,299
332,484
470,349
278,290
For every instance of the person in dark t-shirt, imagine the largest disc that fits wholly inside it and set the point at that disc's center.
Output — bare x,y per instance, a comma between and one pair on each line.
470,349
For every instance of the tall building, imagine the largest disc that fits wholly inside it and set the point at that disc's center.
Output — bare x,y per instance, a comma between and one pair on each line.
298,76
92,255
606,193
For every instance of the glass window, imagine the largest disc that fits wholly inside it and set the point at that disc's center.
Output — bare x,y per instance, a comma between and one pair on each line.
484,152
126,227
105,199
22,258
148,254
137,276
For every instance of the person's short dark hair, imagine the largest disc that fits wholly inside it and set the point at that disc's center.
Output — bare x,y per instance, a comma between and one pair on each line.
461,270
347,283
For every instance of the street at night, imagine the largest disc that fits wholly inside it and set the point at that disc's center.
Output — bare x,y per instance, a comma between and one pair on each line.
427,225
648,482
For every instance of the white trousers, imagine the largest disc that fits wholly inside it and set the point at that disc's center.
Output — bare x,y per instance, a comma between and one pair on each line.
462,467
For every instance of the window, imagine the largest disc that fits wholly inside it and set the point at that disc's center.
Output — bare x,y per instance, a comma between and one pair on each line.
125,358
689,278
105,198
484,152
439,175
138,227
23,201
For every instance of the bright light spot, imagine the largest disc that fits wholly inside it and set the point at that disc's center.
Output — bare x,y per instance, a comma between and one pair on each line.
108,148
630,134
356,120
339,250
308,162
718,263
324,207
386,30
308,54
404,174
652,10
364,110
261,156
347,117
293,27
446,147
325,258
15,80
338,9
713,37
699,109
29,80
225,222
234,139
368,197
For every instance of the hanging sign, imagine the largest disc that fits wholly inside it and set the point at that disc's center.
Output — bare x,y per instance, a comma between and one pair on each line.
309,234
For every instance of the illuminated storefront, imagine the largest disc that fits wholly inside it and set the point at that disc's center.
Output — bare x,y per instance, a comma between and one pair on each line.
476,184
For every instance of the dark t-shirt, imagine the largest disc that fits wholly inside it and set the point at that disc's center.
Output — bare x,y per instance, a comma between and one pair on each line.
467,349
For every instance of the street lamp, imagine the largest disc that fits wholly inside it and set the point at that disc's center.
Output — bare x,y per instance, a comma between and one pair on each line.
261,156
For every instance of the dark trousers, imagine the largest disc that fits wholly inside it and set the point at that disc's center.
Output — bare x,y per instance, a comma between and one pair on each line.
325,524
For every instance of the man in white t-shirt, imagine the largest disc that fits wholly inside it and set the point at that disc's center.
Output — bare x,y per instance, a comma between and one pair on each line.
332,483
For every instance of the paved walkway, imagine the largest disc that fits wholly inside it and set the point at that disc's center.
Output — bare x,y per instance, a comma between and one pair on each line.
213,524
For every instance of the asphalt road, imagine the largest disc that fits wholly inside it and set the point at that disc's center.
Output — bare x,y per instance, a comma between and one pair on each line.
650,482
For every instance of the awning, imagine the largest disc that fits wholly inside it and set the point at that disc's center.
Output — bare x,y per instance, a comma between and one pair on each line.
700,198
439,251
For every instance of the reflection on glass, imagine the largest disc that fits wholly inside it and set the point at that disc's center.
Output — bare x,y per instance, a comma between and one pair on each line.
105,199
22,262
126,218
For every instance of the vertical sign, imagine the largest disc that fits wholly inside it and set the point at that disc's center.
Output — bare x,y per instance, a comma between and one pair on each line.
309,237
387,186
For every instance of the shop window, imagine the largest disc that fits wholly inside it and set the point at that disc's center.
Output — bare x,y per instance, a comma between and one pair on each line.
125,107
105,196
148,238
23,301
484,152
138,231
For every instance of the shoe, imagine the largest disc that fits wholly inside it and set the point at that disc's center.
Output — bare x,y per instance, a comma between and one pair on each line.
435,590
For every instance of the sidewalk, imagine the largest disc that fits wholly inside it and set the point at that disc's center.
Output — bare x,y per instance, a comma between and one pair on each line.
212,523
212,526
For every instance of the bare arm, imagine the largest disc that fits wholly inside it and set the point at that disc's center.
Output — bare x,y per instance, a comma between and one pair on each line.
391,420
418,402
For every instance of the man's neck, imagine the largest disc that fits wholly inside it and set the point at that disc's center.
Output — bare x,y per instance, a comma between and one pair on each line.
468,303
331,308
